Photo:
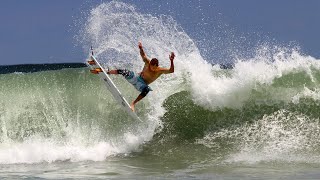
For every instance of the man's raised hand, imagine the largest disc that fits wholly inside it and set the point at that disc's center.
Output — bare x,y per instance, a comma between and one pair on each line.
140,45
171,57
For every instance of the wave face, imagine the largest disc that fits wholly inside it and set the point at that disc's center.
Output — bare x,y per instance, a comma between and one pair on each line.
263,109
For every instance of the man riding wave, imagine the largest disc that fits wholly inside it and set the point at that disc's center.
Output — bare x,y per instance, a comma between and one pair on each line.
150,72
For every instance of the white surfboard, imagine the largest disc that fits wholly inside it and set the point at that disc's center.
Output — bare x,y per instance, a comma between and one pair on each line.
96,68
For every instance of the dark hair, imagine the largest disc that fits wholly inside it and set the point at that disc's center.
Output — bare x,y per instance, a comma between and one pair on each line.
154,61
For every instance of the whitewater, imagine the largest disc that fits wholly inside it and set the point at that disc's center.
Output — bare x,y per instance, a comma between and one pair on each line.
258,118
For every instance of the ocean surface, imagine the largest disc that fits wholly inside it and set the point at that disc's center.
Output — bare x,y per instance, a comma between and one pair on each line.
258,119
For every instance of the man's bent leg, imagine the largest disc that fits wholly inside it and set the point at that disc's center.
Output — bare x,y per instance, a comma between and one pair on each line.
143,94
135,101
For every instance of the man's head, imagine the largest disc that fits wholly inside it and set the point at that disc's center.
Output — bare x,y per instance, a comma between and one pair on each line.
154,63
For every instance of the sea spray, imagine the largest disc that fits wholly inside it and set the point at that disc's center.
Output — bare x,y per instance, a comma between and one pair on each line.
114,29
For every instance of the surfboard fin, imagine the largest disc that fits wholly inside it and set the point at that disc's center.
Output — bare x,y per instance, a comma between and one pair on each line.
91,51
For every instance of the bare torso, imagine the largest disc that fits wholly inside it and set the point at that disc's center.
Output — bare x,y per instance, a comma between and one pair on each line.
151,72
149,75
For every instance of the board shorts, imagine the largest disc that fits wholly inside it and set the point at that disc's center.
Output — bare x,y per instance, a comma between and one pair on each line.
136,81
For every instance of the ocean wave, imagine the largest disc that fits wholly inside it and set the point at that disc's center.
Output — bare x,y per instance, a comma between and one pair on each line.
68,114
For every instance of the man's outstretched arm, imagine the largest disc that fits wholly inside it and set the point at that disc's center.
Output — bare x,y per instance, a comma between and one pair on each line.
171,69
143,54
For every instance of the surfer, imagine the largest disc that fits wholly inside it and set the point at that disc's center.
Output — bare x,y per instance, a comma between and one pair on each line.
150,72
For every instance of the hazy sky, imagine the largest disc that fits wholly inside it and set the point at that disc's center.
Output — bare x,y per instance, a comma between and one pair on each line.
41,31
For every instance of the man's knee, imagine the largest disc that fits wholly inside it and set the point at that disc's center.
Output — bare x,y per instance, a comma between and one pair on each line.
145,91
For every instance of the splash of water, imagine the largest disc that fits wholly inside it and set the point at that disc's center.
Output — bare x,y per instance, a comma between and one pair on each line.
115,28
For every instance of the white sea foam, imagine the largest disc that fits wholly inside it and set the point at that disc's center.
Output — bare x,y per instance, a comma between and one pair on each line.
38,149
280,136
307,93
234,90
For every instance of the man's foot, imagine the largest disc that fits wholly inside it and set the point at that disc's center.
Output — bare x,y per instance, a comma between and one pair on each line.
93,71
132,107
112,71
